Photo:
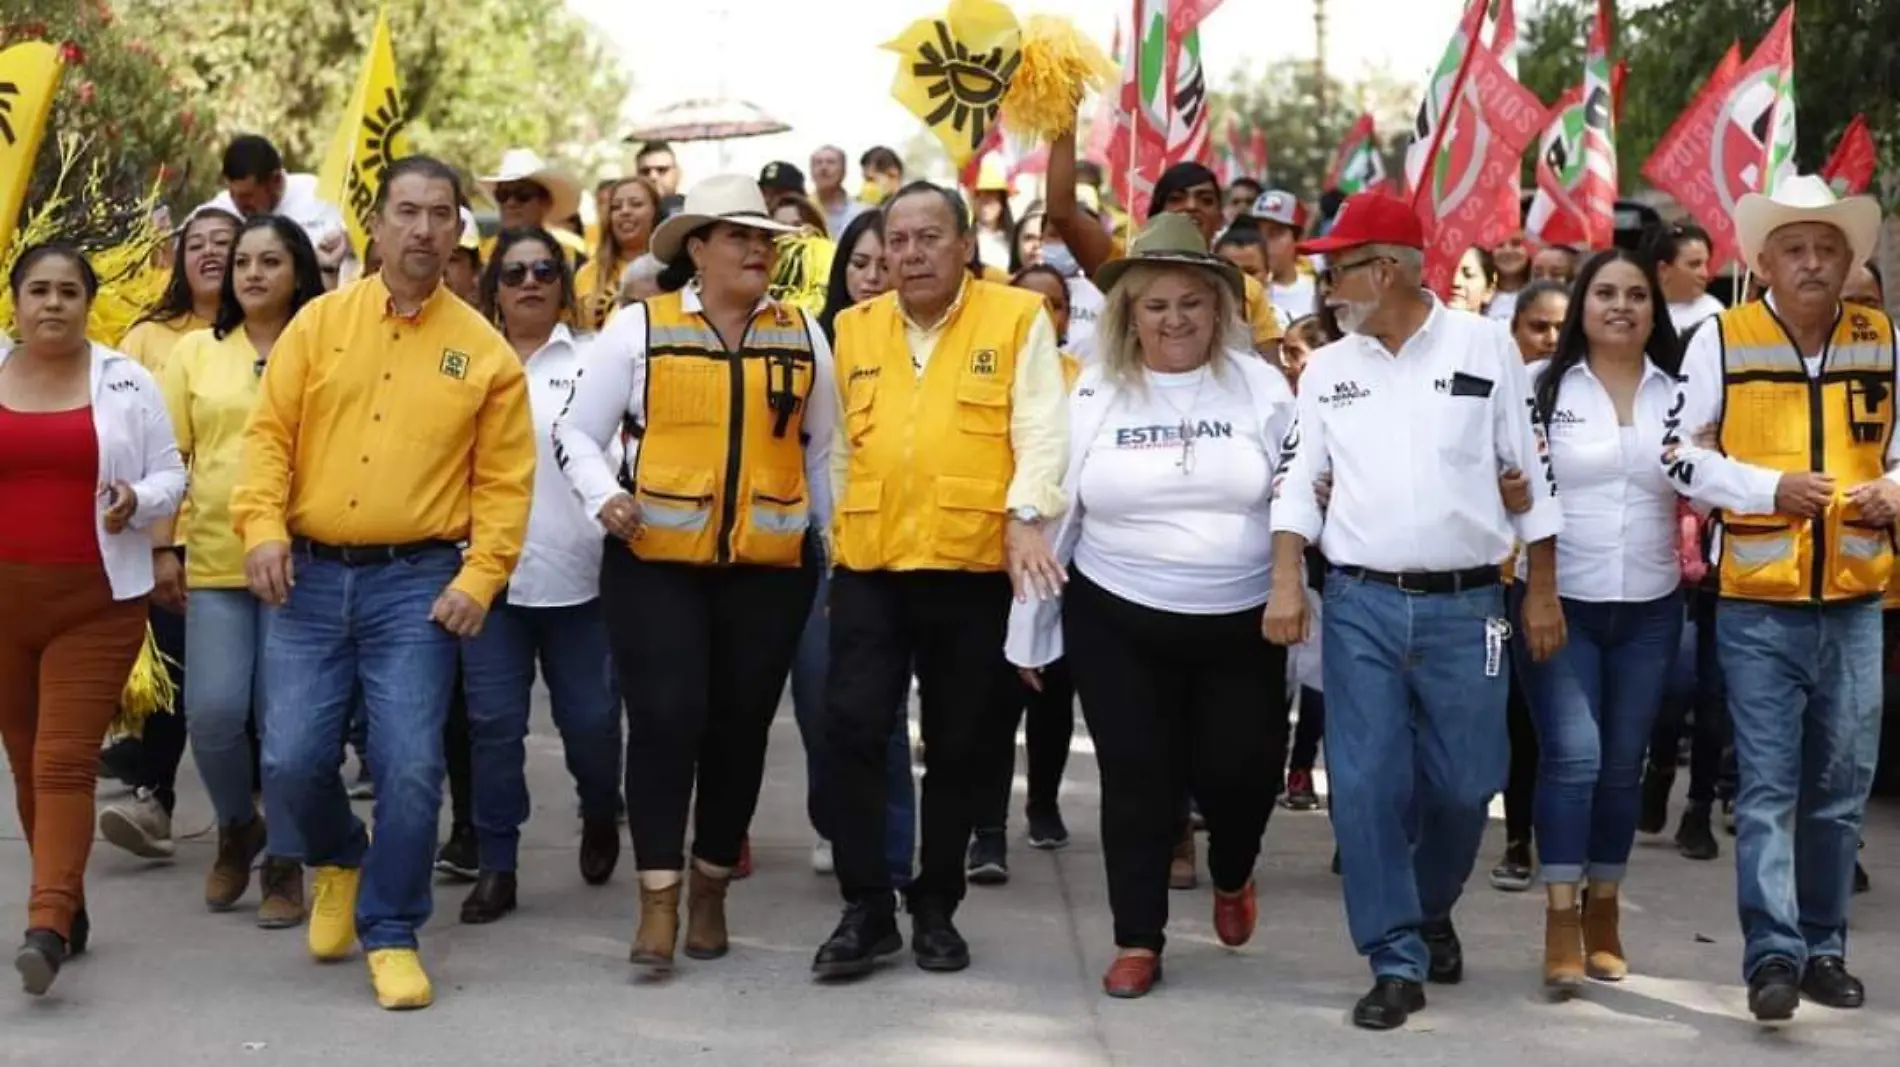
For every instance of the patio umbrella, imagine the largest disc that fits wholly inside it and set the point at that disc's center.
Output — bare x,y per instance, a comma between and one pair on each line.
707,120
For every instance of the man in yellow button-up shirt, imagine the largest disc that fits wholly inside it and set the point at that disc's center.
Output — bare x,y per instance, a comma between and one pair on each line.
391,430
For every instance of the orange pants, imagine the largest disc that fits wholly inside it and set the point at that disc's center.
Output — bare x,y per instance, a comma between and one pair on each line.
66,648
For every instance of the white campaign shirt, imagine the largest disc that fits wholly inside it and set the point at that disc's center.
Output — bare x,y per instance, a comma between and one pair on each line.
560,560
1297,300
1415,443
1705,475
1701,309
1619,537
1173,531
137,446
611,387
1085,310
300,204
1502,308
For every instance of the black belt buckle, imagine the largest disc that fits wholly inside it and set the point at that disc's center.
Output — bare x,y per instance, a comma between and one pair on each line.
1413,583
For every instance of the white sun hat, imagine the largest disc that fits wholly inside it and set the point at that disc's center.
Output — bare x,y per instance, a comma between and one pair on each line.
733,198
526,165
1806,198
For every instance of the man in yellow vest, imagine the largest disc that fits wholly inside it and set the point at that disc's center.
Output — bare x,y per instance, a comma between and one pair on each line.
949,463
1800,391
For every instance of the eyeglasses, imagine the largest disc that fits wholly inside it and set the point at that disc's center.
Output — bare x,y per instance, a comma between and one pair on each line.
1331,275
519,194
545,271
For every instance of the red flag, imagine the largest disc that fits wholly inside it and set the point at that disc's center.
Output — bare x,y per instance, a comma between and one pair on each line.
1576,160
1500,25
1184,15
1235,153
1163,99
1850,170
1108,116
1717,149
1257,153
1474,125
992,142
1356,166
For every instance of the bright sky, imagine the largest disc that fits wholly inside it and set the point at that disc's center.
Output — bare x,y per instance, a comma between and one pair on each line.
818,66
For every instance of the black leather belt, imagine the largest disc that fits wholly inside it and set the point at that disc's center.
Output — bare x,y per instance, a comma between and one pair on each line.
365,555
1427,582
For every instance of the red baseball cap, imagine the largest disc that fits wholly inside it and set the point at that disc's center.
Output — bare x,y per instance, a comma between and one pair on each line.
1369,219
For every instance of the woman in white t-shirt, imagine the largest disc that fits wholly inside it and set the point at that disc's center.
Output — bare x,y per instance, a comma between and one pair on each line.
1681,252
1174,437
1603,399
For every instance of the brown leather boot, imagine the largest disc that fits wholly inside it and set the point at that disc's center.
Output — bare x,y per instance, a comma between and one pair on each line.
659,928
282,882
706,915
1602,944
230,875
1563,950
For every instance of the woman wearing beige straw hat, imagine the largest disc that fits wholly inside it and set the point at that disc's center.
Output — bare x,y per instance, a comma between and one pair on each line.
1173,439
704,583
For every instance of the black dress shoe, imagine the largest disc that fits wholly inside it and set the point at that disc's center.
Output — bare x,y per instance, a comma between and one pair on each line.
82,934
1695,836
1774,991
492,898
1827,982
867,933
1448,954
934,939
600,848
1389,1004
38,960
1652,813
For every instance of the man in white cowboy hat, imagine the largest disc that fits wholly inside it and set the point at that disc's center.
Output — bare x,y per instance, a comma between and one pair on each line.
1793,398
530,191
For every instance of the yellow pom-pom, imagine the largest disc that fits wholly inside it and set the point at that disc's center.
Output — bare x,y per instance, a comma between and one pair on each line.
149,689
801,276
1059,65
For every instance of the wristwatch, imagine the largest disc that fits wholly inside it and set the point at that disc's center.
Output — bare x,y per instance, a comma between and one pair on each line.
1026,515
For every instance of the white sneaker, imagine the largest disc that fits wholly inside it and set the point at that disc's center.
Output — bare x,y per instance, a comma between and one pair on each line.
821,857
139,826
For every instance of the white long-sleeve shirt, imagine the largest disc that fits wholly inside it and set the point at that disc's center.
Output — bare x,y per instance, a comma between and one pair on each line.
560,559
1415,443
1707,476
612,387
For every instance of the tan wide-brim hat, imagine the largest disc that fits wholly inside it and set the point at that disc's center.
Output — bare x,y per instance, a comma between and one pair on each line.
733,198
1805,198
526,165
1171,239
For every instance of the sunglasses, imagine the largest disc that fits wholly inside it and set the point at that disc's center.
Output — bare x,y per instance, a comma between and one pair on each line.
545,271
520,194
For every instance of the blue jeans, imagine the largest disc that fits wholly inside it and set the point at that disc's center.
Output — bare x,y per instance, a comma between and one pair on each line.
1804,692
1416,748
225,635
498,677
808,707
1595,703
344,625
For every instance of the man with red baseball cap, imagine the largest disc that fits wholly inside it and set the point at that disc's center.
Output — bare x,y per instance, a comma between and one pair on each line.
1414,415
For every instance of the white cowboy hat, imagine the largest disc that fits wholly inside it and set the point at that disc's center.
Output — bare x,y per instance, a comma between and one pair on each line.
1806,198
733,198
525,165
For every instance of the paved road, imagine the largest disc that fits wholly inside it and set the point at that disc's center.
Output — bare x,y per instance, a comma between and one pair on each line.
169,984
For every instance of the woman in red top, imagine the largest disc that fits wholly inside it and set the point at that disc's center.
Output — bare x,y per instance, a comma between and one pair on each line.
87,461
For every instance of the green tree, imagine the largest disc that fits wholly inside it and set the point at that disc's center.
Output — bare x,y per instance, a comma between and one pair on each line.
479,76
1304,126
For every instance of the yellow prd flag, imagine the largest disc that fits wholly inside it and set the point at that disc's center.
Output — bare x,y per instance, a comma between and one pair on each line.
370,137
29,75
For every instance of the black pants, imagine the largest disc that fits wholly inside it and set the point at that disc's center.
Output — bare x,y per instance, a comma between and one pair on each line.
1703,714
703,653
949,626
1175,703
458,753
1520,788
162,743
1309,730
1046,740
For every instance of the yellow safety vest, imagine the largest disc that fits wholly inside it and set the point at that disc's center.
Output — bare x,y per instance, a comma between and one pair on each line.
930,458
720,469
1775,416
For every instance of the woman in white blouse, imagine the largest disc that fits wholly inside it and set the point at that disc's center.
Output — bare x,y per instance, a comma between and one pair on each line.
1602,399
1174,438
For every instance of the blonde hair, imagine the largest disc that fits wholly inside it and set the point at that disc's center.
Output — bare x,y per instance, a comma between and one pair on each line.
611,262
1120,347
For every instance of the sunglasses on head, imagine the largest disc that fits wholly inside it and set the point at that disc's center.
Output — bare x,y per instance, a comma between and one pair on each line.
545,271
519,194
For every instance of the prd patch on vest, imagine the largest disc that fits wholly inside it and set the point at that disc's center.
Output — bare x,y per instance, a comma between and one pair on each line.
983,361
454,364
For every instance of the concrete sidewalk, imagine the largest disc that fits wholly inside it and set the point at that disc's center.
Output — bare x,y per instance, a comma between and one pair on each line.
168,984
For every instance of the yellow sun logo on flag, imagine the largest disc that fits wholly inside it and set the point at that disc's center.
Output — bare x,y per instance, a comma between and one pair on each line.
956,69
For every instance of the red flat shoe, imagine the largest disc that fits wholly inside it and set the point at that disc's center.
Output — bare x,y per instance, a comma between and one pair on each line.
1235,916
1130,977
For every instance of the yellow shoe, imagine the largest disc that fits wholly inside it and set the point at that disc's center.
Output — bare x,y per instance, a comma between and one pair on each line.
333,912
400,981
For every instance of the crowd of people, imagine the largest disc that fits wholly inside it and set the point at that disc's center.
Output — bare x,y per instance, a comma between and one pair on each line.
1202,474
